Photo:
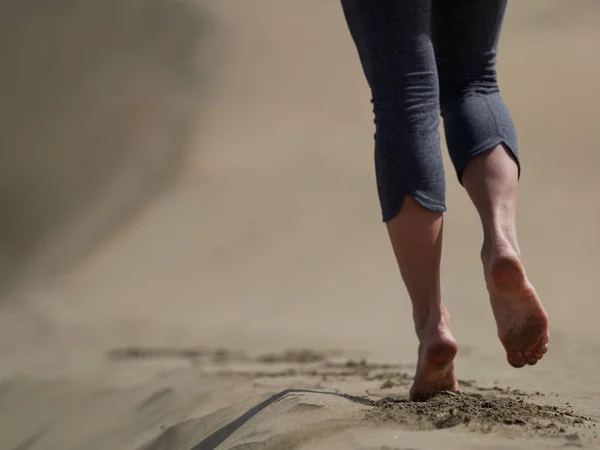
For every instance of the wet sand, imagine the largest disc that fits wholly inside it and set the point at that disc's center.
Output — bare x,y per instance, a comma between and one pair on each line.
192,250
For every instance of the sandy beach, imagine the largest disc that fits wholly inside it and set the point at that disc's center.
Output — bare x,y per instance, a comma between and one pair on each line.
192,255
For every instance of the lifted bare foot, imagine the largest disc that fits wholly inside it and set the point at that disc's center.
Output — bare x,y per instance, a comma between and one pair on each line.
520,316
435,369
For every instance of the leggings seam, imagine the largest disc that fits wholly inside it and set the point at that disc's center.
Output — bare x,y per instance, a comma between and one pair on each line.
420,199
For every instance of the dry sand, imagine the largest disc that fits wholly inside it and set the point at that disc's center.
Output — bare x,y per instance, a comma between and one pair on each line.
192,251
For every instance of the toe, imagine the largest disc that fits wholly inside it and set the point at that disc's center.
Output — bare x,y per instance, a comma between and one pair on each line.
542,347
531,359
516,359
537,352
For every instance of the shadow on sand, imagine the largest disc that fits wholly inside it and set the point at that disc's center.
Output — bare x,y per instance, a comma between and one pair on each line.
170,439
98,99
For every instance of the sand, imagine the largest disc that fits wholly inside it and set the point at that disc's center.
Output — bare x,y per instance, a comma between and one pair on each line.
192,256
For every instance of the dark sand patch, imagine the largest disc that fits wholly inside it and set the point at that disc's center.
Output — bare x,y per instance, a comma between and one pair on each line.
482,413
293,356
192,353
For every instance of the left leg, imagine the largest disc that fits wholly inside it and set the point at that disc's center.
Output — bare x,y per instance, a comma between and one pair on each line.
394,44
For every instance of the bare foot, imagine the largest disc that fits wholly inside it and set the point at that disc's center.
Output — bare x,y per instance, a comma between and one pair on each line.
520,316
435,369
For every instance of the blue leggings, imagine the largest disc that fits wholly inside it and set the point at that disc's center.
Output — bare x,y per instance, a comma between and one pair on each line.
421,57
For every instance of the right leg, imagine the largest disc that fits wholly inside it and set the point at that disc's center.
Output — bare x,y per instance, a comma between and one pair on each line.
394,44
483,145
491,180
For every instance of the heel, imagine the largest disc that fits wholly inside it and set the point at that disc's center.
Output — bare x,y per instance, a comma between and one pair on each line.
507,274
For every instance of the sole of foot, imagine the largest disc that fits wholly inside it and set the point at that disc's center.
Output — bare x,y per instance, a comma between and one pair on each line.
520,316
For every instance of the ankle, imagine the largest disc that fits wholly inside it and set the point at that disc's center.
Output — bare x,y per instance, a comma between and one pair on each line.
430,321
499,241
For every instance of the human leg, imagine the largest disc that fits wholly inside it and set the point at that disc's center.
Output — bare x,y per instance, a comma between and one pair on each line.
394,45
482,143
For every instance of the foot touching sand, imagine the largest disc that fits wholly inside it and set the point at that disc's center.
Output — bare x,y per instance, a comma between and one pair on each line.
521,318
435,369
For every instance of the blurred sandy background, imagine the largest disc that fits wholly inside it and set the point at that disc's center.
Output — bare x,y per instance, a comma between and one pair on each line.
198,175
